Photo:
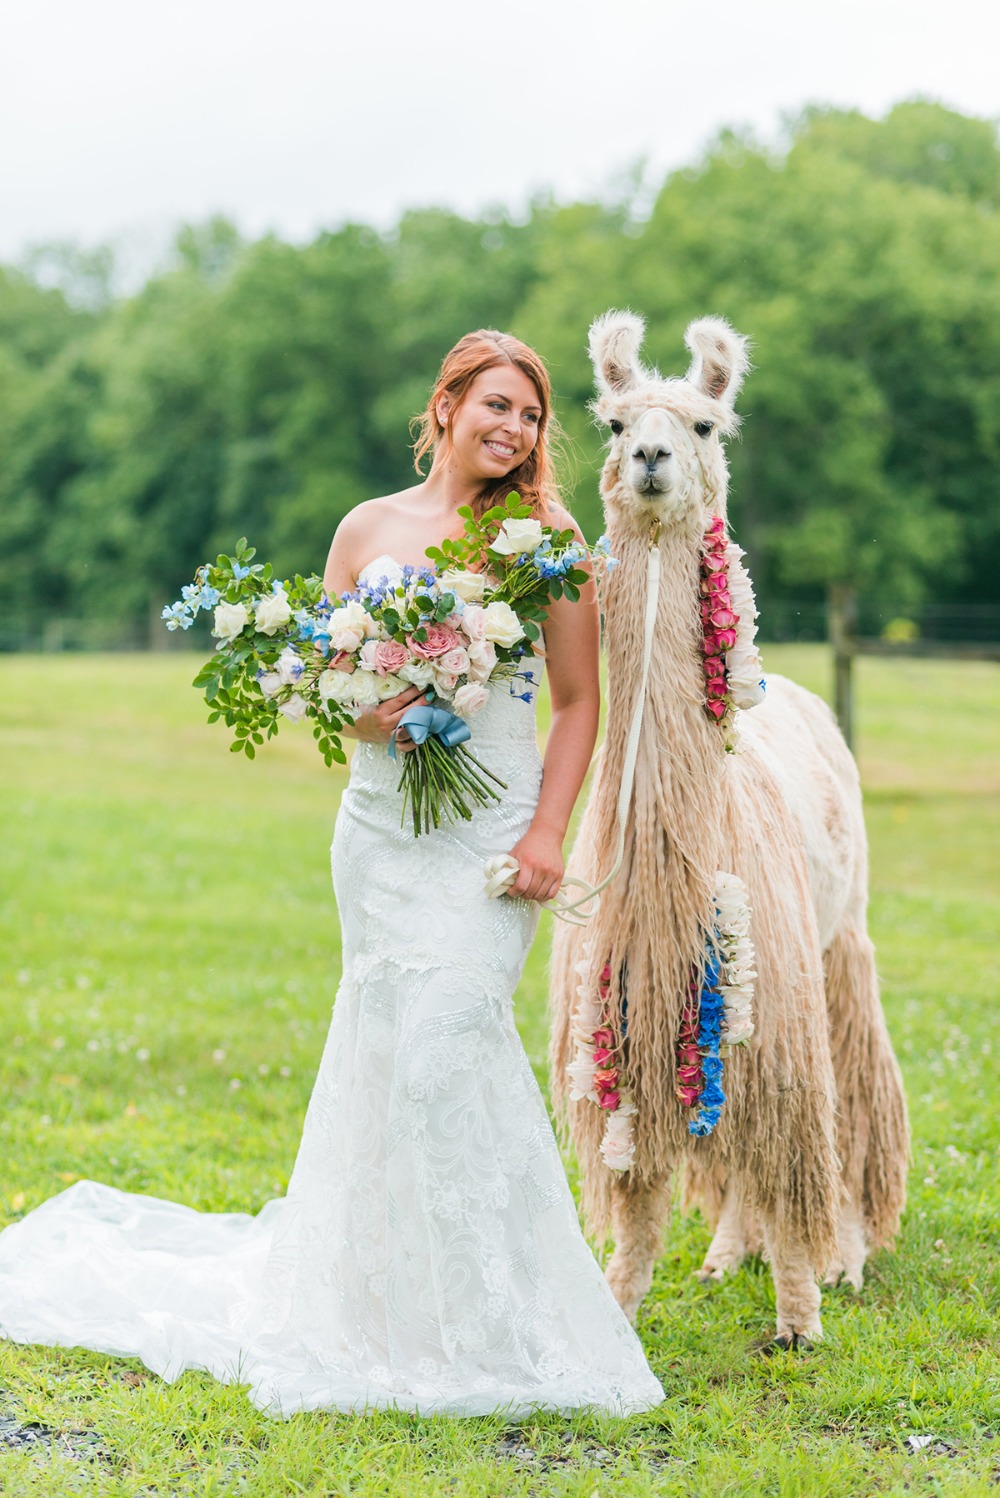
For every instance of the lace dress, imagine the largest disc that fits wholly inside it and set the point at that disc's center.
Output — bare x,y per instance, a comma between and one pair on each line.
427,1255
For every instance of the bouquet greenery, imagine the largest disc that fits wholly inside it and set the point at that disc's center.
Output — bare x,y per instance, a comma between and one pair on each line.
456,627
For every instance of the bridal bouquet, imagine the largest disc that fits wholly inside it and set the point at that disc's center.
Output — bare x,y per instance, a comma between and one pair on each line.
456,628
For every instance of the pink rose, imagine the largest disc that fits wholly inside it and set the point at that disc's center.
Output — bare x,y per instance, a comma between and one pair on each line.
717,709
389,655
440,639
711,645
718,582
726,639
455,662
445,682
717,526
366,655
689,1055
609,1100
602,1055
688,1096
474,622
607,1080
713,665
342,661
724,618
604,1037
716,687
470,699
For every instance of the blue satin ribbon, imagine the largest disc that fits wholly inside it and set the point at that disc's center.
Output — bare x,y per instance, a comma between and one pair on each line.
427,722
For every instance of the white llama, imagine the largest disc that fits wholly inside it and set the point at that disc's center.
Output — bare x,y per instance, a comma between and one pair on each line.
807,1155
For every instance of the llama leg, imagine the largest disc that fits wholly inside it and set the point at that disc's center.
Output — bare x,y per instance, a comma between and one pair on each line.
731,1243
872,1132
796,1291
852,1248
640,1211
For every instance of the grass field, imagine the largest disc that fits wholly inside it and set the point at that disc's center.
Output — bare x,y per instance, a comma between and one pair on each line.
168,959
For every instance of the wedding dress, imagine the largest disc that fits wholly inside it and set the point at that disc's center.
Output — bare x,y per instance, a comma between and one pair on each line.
427,1255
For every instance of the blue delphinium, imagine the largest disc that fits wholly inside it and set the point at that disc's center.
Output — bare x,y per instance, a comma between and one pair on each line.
177,615
710,1015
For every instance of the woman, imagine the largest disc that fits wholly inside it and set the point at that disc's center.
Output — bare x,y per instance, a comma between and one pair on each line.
427,1255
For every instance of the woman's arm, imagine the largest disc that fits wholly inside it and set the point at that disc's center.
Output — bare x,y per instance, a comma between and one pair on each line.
572,645
374,725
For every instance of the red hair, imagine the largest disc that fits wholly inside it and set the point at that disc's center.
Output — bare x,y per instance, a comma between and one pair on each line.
533,479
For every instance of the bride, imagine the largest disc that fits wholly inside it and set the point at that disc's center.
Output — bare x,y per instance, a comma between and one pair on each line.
427,1255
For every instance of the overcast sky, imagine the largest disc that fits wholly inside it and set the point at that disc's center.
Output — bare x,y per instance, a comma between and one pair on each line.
124,117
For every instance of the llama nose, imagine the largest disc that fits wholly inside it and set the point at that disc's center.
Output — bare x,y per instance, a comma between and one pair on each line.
651,456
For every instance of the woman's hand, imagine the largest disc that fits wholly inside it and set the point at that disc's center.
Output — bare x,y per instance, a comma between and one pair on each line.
376,725
542,866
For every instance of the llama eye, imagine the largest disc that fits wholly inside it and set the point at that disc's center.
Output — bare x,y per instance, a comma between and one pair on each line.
703,428
616,427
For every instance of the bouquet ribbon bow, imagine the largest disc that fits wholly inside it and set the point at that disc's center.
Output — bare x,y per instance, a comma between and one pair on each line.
423,723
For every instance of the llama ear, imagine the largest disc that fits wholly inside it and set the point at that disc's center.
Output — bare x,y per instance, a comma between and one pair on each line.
718,358
615,340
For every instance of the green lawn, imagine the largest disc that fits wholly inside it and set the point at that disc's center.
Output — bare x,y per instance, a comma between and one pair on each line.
168,959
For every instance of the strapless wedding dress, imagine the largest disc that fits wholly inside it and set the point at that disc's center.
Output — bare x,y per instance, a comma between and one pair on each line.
427,1255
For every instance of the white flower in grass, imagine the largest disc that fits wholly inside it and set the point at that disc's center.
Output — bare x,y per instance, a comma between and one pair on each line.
230,619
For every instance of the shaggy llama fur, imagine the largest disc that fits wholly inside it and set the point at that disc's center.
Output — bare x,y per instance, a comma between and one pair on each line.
809,1158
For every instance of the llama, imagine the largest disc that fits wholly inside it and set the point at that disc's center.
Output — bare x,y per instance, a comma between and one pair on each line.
806,1159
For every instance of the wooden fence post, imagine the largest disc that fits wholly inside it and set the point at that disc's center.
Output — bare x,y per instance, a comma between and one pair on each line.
841,619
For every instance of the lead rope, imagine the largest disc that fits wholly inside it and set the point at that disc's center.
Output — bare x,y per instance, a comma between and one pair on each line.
502,869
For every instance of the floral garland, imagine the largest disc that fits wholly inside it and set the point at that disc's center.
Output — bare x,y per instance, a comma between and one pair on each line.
733,672
718,1011
597,1070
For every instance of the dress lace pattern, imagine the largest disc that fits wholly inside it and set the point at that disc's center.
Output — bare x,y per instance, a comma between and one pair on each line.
427,1255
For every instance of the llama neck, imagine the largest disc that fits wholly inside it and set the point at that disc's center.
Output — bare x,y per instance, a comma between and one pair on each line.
681,754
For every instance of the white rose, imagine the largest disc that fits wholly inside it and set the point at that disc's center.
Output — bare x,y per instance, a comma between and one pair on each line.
346,639
364,688
289,666
389,686
353,615
230,620
271,613
482,659
517,536
417,673
468,586
445,682
336,686
470,699
501,624
294,708
269,683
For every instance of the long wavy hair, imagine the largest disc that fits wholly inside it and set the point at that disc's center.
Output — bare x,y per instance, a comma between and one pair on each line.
484,349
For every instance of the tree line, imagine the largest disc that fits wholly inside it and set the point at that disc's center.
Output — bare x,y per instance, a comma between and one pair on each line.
263,388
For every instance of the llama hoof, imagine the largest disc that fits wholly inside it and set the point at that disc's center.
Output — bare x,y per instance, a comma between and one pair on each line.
711,1274
788,1342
